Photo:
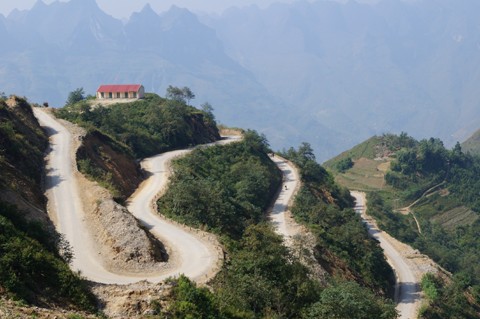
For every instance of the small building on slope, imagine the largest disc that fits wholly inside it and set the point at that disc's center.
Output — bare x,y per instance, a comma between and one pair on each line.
122,91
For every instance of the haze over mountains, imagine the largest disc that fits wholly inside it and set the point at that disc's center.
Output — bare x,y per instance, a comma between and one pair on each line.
324,72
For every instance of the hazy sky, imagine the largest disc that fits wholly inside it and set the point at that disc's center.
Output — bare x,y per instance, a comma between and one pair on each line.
123,8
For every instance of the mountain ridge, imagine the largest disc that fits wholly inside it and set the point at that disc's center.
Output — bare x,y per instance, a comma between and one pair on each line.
339,72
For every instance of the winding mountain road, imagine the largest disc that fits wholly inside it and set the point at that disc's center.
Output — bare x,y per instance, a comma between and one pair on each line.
407,290
283,223
192,255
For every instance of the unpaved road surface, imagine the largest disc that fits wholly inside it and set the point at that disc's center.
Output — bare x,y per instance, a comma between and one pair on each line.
407,292
192,255
280,216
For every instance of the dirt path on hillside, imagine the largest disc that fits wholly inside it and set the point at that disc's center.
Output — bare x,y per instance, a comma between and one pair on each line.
280,214
408,263
65,192
296,237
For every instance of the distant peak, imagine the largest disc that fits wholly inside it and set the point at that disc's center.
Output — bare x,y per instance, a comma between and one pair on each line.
148,9
39,4
145,14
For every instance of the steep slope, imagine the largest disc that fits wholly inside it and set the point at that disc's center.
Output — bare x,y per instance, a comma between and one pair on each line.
33,258
437,189
105,160
75,222
23,144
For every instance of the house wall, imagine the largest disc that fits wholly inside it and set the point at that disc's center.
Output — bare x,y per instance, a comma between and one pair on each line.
131,95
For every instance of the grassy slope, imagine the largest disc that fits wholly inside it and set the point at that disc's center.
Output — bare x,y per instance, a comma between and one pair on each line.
149,126
446,220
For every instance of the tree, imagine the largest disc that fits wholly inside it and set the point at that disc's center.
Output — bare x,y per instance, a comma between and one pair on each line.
188,94
175,93
208,110
348,299
183,95
344,164
75,96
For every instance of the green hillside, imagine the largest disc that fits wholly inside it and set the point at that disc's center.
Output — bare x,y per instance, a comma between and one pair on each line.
33,257
149,126
363,167
119,134
227,190
440,186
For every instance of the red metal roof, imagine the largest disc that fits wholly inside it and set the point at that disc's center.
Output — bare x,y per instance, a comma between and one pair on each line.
119,88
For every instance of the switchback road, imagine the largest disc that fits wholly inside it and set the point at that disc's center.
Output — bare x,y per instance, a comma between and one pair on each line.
407,292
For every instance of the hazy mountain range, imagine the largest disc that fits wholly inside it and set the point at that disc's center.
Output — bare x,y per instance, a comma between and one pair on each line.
327,73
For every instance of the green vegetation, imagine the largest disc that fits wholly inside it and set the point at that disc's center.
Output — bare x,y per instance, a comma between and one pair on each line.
75,96
117,134
443,186
149,126
33,258
447,299
22,145
187,301
110,163
374,147
184,95
341,236
224,188
449,230
344,164
342,301
30,268
363,166
227,189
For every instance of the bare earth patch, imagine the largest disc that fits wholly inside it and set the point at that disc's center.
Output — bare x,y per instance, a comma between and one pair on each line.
121,244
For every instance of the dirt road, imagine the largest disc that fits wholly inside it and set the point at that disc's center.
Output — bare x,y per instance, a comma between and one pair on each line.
280,216
192,254
407,291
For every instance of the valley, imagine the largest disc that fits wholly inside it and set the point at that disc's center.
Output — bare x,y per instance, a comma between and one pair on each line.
159,207
193,253
216,231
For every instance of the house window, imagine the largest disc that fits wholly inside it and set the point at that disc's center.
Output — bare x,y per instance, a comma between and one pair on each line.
126,95
110,95
118,95
102,94
134,95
